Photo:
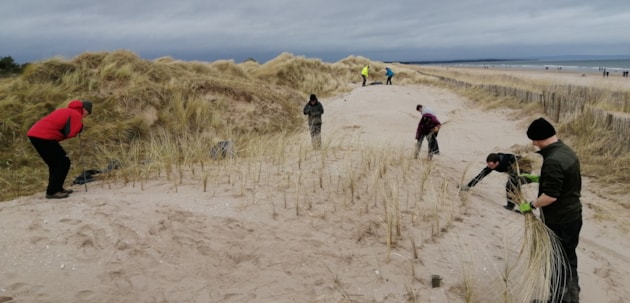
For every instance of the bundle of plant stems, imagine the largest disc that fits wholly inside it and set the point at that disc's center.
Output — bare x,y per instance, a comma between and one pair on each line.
540,262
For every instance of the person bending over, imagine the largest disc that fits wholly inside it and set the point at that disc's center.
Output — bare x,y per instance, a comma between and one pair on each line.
45,136
505,163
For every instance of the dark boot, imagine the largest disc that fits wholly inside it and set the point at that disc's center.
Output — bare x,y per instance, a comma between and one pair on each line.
59,195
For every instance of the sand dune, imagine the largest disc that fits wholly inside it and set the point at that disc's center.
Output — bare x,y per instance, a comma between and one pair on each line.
283,231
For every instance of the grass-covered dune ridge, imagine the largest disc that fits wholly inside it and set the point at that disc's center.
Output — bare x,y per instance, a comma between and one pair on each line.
139,102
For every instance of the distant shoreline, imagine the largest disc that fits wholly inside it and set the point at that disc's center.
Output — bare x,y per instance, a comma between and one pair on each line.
611,65
460,61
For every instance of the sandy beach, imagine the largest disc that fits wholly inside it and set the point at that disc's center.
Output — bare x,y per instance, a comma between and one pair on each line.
290,233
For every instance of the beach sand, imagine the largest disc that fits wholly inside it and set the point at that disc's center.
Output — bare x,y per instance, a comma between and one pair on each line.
166,241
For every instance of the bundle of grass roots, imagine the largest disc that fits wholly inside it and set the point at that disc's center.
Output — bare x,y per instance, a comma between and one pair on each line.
540,261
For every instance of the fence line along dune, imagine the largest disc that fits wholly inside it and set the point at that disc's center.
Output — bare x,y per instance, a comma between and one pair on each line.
590,111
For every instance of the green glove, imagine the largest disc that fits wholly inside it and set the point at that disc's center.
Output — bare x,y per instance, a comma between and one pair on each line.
525,207
530,177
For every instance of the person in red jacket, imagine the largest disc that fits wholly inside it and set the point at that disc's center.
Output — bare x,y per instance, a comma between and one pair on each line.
45,136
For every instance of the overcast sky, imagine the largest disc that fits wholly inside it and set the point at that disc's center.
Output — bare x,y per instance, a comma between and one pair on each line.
384,30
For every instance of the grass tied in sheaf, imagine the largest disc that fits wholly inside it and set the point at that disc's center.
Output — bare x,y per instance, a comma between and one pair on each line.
540,262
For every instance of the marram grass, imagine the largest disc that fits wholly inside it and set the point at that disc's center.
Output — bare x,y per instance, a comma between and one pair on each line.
540,261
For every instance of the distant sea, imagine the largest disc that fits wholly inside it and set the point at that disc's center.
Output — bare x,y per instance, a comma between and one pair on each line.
612,65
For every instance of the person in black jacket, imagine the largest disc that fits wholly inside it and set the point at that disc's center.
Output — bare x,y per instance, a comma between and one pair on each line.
504,163
559,202
314,110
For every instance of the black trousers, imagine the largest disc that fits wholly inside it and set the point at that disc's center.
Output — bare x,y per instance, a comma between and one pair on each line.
389,80
364,79
57,160
316,137
434,147
569,235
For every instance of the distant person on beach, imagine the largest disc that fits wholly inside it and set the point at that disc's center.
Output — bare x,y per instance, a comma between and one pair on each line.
559,202
314,110
364,73
505,163
45,135
389,73
428,127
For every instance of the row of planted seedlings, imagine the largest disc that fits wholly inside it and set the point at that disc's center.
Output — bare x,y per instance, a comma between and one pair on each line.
401,202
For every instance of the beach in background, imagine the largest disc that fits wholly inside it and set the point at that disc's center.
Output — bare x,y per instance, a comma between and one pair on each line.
614,66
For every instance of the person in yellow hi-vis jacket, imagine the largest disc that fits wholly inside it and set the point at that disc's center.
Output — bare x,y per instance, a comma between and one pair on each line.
364,73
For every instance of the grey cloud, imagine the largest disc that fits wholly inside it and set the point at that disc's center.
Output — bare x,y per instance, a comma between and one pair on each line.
331,30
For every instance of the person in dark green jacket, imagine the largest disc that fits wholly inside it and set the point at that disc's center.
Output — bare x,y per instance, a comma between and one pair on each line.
314,110
559,200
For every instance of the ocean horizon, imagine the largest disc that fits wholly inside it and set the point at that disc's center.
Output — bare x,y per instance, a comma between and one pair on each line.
612,65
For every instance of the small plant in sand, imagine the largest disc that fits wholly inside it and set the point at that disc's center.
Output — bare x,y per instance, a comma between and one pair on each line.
338,286
465,196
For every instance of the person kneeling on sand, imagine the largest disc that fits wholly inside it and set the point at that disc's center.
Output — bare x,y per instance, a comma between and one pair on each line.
505,163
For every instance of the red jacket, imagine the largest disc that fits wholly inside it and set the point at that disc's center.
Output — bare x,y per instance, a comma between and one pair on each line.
61,124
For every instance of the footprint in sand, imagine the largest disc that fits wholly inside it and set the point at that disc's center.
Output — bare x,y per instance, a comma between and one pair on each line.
22,289
85,296
89,241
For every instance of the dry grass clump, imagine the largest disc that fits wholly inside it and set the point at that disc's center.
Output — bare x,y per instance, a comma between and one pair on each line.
52,70
541,262
308,75
602,156
539,265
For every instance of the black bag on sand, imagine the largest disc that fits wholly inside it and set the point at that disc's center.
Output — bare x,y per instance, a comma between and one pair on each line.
86,177
89,175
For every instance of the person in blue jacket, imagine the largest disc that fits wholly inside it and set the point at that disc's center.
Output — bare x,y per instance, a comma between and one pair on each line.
389,73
